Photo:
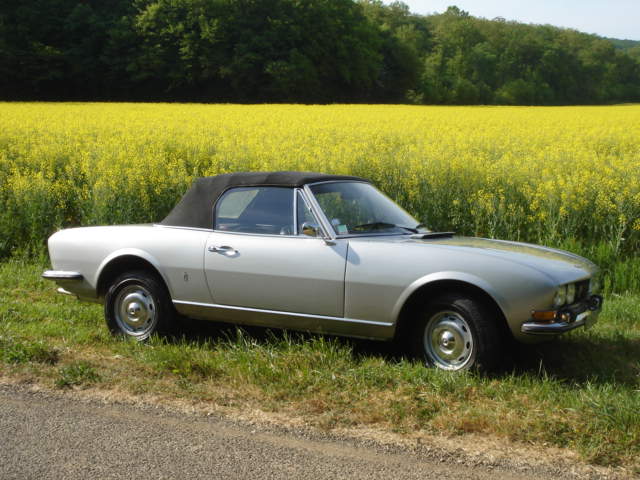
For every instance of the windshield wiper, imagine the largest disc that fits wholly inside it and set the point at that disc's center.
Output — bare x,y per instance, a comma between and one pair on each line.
425,235
381,225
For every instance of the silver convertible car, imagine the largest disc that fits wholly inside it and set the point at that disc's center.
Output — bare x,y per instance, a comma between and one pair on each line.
328,254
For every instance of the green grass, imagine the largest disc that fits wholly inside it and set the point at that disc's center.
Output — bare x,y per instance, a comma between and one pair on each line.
22,352
76,374
580,392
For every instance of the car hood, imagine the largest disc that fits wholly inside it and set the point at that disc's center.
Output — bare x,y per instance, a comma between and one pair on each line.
560,265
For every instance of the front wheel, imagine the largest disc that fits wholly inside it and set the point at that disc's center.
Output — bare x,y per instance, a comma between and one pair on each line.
137,305
455,332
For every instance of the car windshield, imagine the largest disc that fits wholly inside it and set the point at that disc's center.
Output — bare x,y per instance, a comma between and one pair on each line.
355,208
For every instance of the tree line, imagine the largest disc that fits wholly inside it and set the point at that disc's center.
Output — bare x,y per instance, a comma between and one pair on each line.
300,51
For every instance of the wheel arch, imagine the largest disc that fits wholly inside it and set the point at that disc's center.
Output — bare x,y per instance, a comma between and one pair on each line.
421,290
123,261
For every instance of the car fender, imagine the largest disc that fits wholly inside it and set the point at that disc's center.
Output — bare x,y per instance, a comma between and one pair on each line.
135,252
465,277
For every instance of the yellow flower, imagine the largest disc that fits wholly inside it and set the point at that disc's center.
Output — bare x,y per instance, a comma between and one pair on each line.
531,173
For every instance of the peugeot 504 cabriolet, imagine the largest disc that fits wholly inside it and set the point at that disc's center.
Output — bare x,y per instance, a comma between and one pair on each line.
327,254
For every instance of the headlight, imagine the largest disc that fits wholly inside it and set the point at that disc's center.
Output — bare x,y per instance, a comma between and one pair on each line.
571,293
560,297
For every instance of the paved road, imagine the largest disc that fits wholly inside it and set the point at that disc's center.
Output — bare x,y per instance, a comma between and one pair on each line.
53,437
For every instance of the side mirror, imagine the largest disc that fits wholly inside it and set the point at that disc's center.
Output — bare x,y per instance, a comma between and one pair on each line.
310,229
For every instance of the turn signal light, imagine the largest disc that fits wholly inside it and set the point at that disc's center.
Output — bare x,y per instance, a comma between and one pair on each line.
548,316
544,315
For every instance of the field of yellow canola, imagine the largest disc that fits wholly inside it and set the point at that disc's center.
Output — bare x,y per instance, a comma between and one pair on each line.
562,176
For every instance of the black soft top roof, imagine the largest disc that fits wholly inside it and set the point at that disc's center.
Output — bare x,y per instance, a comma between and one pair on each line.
198,203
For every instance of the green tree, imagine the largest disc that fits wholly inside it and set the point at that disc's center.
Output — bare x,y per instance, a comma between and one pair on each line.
300,51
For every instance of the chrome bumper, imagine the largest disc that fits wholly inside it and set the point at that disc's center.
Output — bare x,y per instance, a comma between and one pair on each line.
64,279
584,315
57,275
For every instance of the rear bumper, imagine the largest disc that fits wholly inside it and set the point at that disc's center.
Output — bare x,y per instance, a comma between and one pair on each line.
65,280
60,275
72,283
570,318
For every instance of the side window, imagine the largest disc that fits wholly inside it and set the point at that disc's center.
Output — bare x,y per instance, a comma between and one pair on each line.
267,210
305,215
235,202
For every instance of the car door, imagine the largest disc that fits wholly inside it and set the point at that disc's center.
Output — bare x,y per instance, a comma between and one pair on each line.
257,257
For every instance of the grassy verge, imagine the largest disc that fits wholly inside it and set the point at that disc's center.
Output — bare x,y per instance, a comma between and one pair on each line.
580,392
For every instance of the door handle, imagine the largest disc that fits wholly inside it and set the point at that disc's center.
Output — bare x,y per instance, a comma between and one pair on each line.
225,249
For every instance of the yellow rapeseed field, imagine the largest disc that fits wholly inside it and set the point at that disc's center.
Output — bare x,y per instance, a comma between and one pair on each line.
564,176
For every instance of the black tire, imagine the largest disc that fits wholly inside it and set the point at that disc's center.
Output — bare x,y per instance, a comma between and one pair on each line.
457,332
137,305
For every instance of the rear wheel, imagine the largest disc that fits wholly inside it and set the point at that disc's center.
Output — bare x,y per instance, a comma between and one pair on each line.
138,305
456,332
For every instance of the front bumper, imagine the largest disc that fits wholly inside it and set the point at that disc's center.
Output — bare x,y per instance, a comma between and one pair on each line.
582,314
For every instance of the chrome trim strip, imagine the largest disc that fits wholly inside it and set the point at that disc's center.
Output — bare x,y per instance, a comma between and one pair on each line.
295,211
307,204
319,213
277,312
61,275
273,235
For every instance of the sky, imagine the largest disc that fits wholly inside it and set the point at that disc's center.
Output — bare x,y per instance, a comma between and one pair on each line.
608,18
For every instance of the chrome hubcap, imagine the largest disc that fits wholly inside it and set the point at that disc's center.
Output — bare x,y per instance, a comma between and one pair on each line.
448,341
135,310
